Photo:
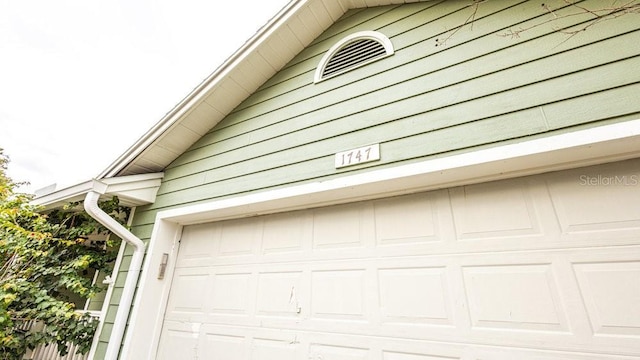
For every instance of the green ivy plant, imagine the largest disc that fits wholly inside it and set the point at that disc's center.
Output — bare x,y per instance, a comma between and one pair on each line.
45,258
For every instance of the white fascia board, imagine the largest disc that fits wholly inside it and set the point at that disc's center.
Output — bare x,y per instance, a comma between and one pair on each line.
133,190
63,196
576,149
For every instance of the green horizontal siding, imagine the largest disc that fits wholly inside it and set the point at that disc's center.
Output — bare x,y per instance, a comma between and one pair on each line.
288,131
480,89
289,102
191,173
276,122
101,349
143,231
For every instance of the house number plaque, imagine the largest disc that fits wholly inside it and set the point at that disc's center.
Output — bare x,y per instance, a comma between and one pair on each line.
358,156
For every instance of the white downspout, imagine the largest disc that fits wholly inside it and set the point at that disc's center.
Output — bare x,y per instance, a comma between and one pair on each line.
117,333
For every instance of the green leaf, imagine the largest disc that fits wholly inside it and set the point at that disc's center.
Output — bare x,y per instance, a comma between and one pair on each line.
46,263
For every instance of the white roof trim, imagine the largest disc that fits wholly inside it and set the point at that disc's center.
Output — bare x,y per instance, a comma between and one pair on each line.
133,190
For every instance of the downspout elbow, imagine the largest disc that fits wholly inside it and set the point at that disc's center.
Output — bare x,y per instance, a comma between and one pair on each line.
92,208
122,314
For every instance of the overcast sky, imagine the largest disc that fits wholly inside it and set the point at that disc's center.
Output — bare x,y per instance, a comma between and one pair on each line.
82,80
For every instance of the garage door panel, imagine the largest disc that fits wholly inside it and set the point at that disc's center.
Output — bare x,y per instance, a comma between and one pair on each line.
598,203
527,268
180,341
198,250
392,355
177,345
239,237
415,295
494,210
287,232
189,292
278,293
230,293
342,226
223,346
230,342
275,349
523,297
417,218
610,289
338,294
534,354
324,351
383,348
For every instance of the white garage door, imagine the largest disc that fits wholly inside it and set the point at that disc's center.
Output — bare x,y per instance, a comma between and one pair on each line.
542,267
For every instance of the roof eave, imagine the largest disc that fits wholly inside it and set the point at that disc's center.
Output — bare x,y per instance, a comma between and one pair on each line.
133,190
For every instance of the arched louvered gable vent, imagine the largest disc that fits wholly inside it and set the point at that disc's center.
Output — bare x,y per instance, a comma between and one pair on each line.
353,51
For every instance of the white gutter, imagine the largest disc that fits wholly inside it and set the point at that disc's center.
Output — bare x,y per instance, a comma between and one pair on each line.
91,207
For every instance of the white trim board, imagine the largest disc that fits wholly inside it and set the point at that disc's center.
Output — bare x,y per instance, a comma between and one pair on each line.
132,190
580,148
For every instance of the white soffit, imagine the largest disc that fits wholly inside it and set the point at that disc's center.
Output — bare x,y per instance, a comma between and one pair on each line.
289,31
